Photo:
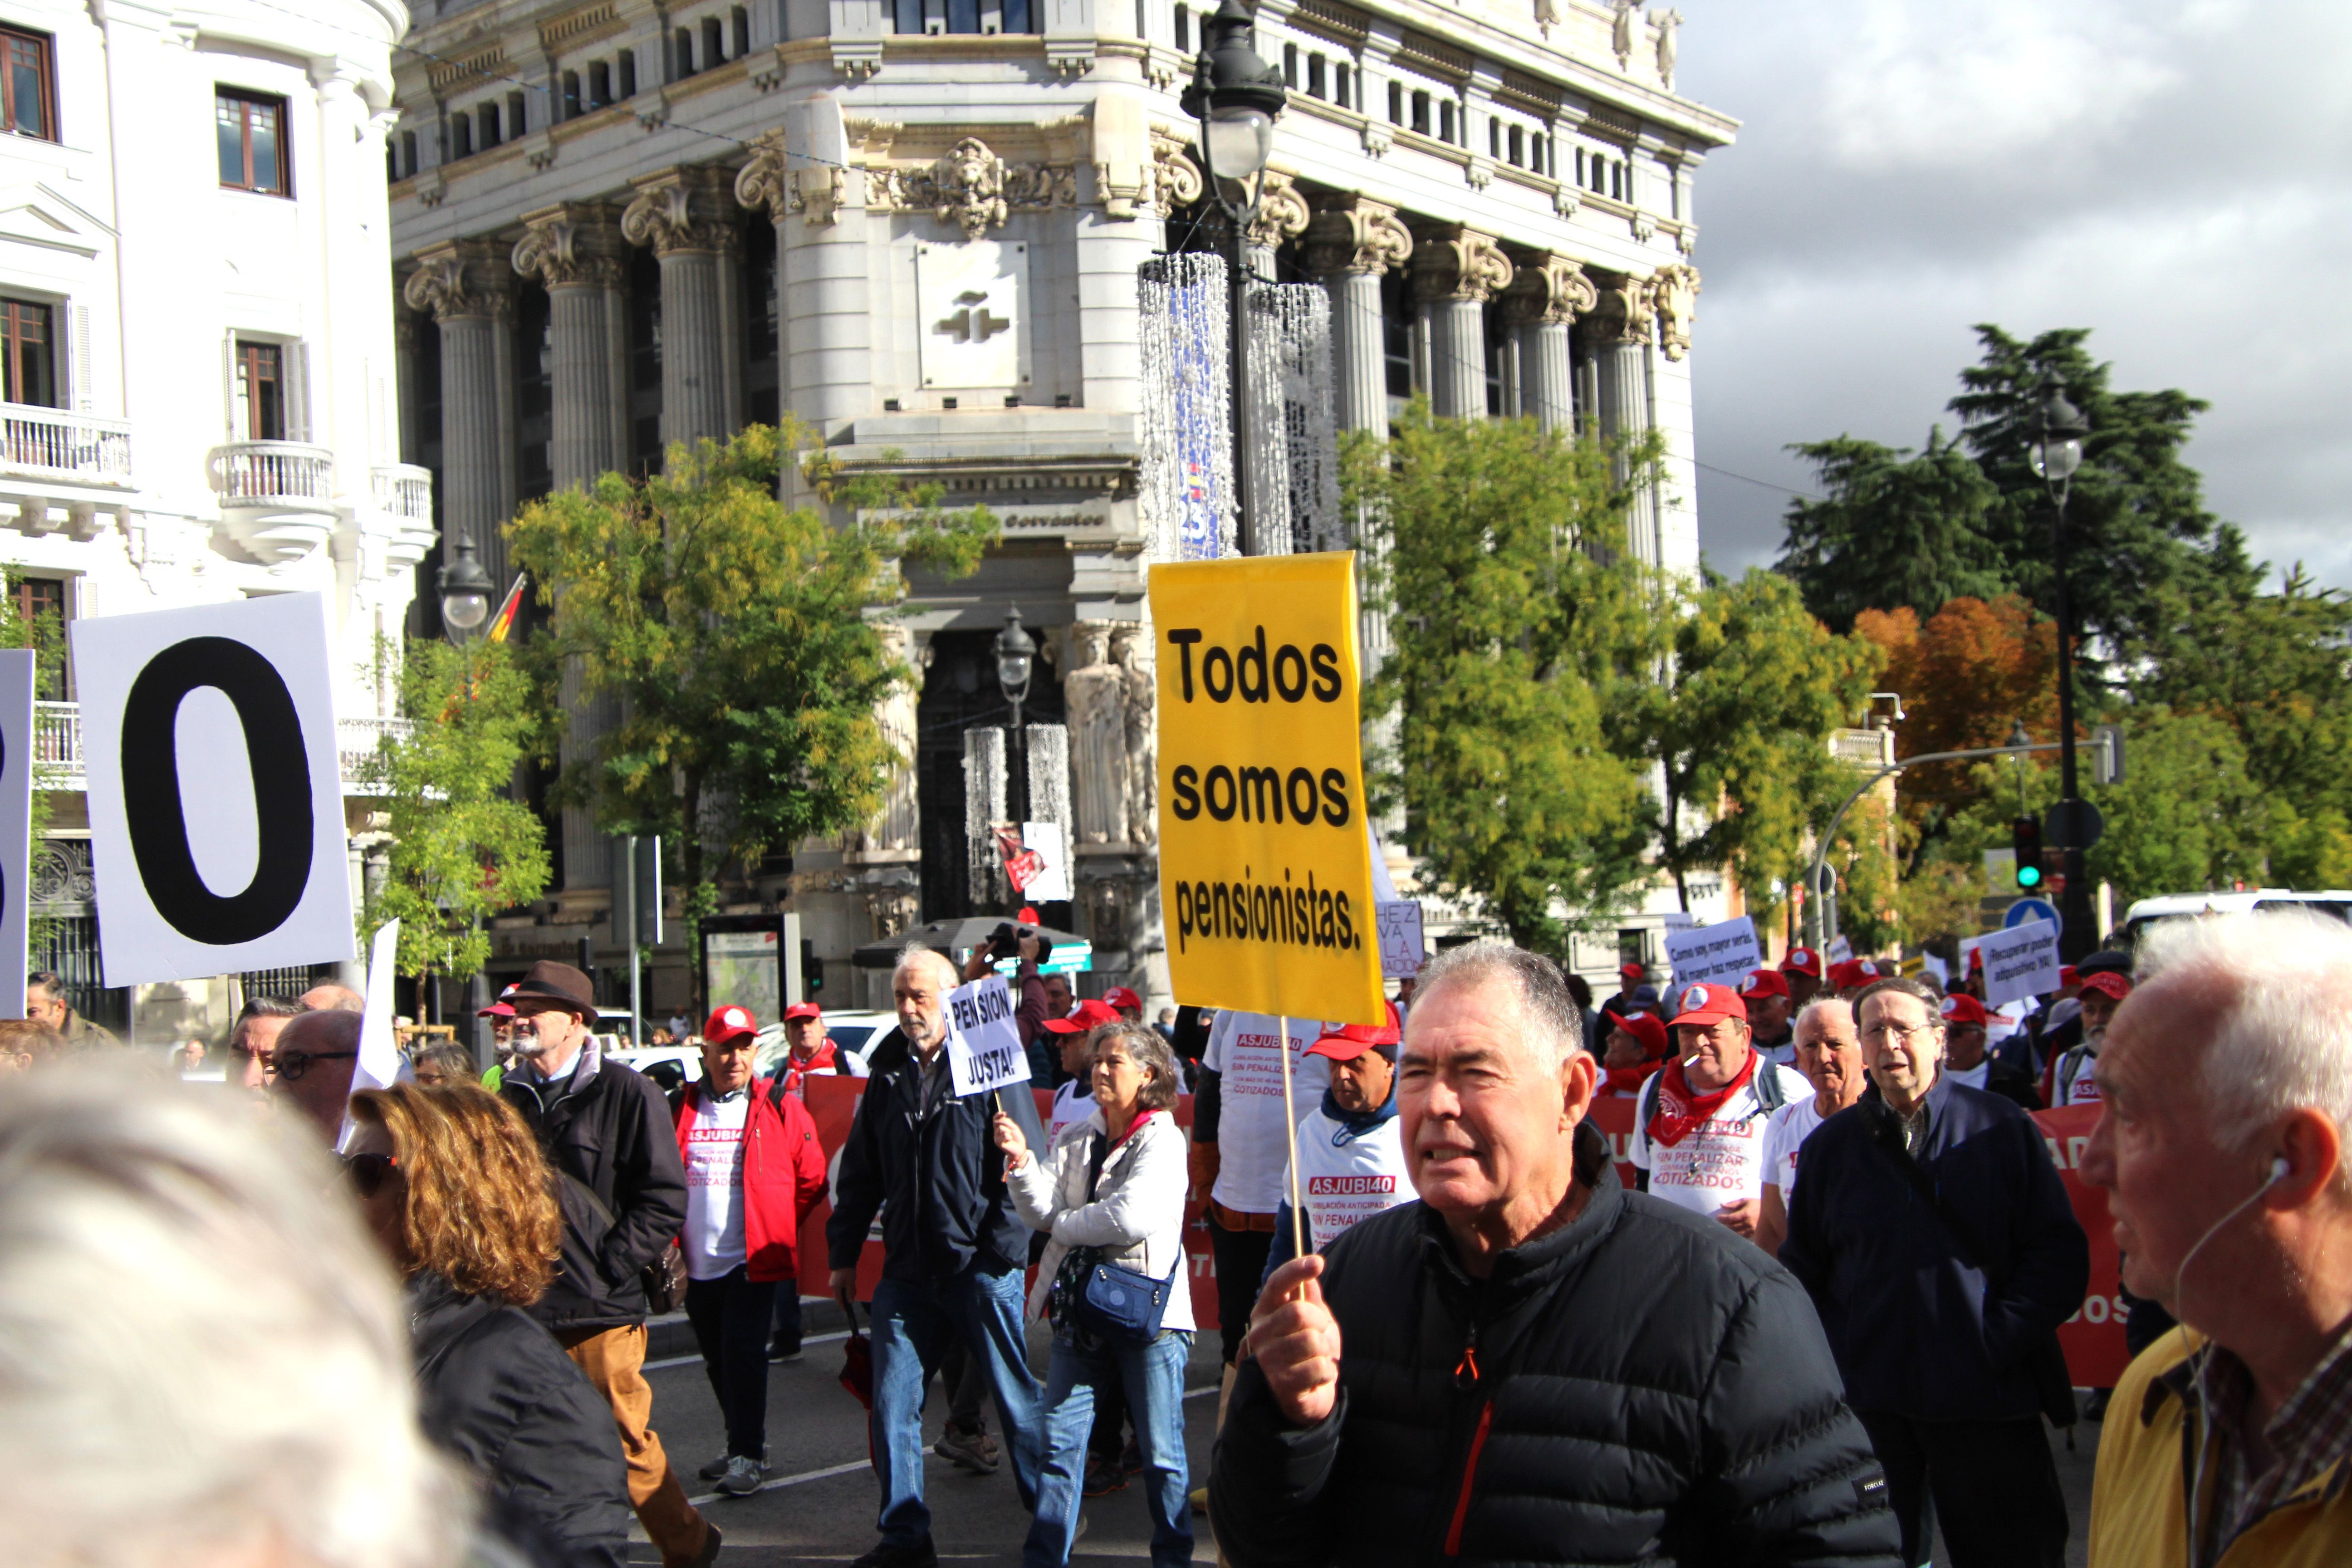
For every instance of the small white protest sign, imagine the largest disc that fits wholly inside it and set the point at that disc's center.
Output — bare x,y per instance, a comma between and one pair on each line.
381,1064
1052,882
2020,961
1841,950
1724,951
1678,920
215,791
15,825
984,1050
1399,923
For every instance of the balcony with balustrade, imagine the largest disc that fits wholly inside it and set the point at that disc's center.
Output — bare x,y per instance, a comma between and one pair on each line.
58,748
277,497
403,492
57,446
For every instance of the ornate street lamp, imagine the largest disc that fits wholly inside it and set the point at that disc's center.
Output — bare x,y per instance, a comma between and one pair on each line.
465,594
2055,451
1016,656
1236,96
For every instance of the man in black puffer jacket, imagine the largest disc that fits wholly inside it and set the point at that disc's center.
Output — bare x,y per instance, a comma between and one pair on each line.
1532,1364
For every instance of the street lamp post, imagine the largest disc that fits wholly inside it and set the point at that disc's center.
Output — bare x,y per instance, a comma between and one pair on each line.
2056,452
1016,656
1236,97
465,595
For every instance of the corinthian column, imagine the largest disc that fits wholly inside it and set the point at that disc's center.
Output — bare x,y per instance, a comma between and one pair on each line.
1619,334
1545,297
468,288
818,204
686,215
1351,245
576,252
1455,271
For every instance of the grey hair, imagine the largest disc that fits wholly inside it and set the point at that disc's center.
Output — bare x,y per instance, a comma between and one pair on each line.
1822,1005
2284,1040
918,955
449,1056
266,1396
1555,1022
1147,1050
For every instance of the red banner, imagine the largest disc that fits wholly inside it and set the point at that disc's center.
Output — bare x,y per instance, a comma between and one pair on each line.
2092,1337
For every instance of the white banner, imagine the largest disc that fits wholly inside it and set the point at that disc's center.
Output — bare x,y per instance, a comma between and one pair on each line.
2019,963
381,1064
1726,952
15,825
215,792
985,1049
1399,923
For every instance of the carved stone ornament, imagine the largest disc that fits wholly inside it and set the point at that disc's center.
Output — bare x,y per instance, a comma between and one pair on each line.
682,210
1094,696
1550,290
1548,16
1355,235
1130,649
1460,264
1176,180
461,277
1625,31
1622,315
1282,212
1669,47
1674,295
972,188
572,247
766,180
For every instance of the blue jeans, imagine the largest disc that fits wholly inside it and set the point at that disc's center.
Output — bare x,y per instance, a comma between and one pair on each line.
1153,1377
912,1320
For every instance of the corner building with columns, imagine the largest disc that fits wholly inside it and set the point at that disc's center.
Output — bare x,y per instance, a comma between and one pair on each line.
916,226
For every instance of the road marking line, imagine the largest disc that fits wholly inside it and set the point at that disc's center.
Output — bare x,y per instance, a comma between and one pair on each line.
786,1481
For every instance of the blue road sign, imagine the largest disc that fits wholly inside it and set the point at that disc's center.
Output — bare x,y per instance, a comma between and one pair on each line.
2025,909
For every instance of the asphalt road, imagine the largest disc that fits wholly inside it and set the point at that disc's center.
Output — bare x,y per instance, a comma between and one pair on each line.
820,1499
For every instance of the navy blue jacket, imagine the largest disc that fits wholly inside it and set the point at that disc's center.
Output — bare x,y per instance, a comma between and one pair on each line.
1917,1330
936,1177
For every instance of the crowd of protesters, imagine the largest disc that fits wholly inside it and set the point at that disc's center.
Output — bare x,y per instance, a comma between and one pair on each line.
1818,1325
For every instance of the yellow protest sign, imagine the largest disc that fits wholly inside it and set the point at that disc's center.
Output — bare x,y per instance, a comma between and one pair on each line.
1266,874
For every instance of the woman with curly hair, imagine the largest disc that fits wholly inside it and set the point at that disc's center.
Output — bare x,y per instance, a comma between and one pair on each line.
452,1183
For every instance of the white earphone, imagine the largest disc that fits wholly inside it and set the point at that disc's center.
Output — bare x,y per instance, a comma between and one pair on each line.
2281,1169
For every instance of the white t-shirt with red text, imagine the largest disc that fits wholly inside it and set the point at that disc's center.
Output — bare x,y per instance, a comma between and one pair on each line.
713,1236
1790,1127
1252,1150
1720,1161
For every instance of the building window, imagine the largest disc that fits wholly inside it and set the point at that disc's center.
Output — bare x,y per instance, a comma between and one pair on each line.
570,95
626,64
714,44
486,117
36,598
1494,138
1339,84
1617,180
1396,103
252,131
740,21
32,370
1445,120
1290,67
682,47
260,414
27,94
1184,31
1421,112
408,154
1317,82
600,84
514,115
461,135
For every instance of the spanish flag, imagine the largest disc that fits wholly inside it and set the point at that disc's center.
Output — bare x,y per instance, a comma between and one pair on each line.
505,617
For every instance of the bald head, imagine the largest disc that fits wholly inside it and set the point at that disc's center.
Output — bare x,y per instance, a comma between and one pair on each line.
316,1053
332,998
919,989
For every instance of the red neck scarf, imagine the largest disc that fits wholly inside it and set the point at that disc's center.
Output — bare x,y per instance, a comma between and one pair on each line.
1681,1110
1629,1080
795,1070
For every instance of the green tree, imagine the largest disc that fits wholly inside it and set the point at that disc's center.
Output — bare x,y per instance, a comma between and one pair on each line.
462,848
739,634
1897,529
1513,613
1736,728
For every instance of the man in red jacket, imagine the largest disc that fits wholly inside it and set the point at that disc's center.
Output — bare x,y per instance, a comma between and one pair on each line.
753,1170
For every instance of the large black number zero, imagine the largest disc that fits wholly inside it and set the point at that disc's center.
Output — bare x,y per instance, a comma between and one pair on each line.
157,818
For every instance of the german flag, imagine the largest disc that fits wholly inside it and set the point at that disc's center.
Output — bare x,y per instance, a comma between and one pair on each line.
505,617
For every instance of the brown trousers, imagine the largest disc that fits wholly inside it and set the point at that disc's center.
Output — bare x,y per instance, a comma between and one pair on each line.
614,1361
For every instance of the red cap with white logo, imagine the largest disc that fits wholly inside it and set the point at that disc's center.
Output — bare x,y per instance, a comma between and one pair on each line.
728,1025
1709,1004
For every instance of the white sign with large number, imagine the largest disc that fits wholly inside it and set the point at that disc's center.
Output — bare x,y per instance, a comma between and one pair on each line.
984,1050
2019,963
15,825
1724,951
216,792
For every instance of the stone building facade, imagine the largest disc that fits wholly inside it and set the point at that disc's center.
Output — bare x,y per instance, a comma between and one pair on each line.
915,224
199,379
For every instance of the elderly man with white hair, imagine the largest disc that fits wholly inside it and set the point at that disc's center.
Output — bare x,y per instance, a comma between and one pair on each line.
2226,1085
953,1245
1531,1365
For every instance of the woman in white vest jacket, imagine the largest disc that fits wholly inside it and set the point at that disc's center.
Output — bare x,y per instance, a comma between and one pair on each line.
1113,1183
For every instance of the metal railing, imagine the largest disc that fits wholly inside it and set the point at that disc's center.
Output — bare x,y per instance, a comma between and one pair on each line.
57,741
273,473
405,490
357,742
57,444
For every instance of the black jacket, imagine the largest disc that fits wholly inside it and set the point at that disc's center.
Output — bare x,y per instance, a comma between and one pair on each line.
613,1136
1641,1386
937,1177
496,1391
1918,1328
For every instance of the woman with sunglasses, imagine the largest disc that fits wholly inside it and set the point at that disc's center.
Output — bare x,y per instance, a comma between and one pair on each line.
452,1183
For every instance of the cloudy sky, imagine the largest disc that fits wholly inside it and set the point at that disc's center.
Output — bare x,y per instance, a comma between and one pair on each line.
2175,174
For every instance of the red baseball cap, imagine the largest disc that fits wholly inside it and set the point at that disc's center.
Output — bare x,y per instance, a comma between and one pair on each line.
2066,975
1645,1029
1709,1003
1090,1015
1802,960
1845,976
802,1010
1764,983
1345,1045
729,1023
2107,982
1962,1008
1120,996
501,1008
1632,972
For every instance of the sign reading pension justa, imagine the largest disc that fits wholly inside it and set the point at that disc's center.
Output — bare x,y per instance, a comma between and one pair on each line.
1265,870
983,1042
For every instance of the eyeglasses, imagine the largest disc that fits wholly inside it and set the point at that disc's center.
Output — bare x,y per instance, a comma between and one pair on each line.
291,1065
368,1171
1880,1034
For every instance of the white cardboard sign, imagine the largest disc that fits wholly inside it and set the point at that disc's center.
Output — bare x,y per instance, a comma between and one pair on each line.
1398,922
216,792
15,825
985,1049
381,1064
1726,952
1053,880
2019,962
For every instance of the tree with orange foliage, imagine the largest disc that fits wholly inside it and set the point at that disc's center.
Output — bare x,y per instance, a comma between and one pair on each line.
1968,674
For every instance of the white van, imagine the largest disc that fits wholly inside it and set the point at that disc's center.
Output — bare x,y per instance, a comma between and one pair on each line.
2153,911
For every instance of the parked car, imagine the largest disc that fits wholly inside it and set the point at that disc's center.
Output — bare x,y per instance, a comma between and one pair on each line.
2148,913
855,1033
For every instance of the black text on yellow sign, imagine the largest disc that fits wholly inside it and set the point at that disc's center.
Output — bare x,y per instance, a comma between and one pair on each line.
1266,874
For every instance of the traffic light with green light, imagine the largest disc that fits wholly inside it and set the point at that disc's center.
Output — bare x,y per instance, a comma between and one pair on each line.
2025,833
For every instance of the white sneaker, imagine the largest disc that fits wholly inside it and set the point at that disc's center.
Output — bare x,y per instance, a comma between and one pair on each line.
742,1476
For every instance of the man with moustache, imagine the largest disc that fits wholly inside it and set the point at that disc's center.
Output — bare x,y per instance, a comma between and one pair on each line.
1529,1363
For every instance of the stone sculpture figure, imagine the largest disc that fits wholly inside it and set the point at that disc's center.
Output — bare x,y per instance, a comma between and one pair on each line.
895,827
1094,697
1130,647
1625,32
1668,47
